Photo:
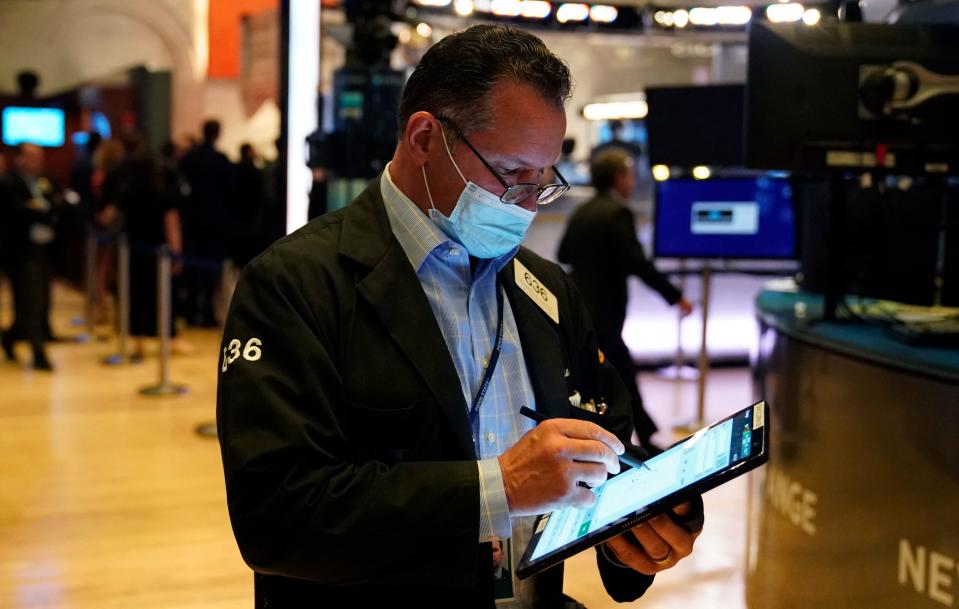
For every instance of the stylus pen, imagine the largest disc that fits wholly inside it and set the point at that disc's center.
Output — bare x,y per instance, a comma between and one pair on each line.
629,457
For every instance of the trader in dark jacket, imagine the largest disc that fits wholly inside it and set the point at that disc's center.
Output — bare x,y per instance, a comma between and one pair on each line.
206,220
28,208
600,243
374,363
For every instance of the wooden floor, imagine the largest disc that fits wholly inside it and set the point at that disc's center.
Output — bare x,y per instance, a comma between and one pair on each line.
110,500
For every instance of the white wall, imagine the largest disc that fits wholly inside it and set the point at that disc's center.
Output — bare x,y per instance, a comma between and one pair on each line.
70,42
604,65
223,101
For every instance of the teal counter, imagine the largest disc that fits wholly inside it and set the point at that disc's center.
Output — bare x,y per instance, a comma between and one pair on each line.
868,342
858,506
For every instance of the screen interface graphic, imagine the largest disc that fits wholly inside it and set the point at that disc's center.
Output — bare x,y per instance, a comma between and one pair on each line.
725,218
40,126
707,452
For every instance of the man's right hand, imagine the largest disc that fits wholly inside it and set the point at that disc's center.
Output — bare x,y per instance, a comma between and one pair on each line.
543,470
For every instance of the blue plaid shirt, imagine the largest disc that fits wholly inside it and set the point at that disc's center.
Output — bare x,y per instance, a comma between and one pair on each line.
464,303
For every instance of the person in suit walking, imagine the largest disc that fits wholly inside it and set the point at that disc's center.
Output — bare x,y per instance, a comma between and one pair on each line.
600,244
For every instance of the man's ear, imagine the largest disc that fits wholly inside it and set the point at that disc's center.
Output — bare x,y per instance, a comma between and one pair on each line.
418,138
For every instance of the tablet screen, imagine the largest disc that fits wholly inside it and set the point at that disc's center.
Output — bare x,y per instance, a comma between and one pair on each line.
708,451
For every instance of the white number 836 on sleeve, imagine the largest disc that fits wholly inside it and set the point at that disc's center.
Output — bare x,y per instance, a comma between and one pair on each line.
251,352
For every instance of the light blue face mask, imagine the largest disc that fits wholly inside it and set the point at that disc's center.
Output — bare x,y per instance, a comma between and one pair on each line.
480,222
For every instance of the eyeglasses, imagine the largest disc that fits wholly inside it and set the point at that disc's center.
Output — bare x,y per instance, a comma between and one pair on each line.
516,193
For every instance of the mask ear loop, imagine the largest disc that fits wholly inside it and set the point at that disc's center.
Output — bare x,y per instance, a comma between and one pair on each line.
455,166
450,154
427,183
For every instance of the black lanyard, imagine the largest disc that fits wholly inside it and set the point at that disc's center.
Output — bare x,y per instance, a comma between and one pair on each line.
491,366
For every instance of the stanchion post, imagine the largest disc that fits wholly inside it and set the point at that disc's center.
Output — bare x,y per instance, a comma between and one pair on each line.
697,422
703,350
123,303
679,371
90,281
164,318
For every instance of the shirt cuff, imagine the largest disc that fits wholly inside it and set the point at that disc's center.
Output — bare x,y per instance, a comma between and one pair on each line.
494,511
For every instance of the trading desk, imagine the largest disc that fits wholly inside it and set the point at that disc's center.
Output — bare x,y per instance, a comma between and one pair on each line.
858,506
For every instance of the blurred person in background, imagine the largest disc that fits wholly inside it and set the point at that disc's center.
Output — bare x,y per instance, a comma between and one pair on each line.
151,220
104,187
211,178
4,222
29,202
247,209
81,175
175,184
601,245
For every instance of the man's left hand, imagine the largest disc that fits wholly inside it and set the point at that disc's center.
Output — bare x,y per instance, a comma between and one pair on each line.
655,545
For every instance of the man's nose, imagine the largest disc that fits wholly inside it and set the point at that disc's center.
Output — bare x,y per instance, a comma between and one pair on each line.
529,203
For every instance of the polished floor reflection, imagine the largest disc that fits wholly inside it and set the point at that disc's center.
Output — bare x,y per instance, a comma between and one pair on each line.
111,500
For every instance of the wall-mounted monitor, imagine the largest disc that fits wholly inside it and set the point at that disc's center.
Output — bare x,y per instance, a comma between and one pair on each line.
40,126
729,218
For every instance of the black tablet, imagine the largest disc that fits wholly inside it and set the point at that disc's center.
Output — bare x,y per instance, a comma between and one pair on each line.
704,460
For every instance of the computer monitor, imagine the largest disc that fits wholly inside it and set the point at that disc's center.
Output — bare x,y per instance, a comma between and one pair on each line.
728,218
40,126
890,243
817,97
691,126
950,254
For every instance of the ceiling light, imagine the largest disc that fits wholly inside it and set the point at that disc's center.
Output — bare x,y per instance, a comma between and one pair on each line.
616,110
660,173
785,13
811,16
703,16
424,30
734,15
572,12
600,13
535,9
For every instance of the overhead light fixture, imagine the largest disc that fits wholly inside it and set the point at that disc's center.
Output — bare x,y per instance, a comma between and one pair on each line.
733,15
436,3
703,16
424,30
572,12
785,13
601,13
681,18
463,8
701,172
535,9
660,17
811,16
660,173
505,8
616,110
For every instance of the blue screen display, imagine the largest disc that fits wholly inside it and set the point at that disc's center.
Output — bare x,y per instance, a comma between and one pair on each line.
40,126
725,218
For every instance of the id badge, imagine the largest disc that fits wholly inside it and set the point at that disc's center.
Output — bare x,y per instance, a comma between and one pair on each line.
502,569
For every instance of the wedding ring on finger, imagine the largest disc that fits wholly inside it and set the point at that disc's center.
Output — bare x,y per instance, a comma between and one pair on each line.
662,562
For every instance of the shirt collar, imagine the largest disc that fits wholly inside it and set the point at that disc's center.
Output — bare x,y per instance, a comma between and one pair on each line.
417,234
